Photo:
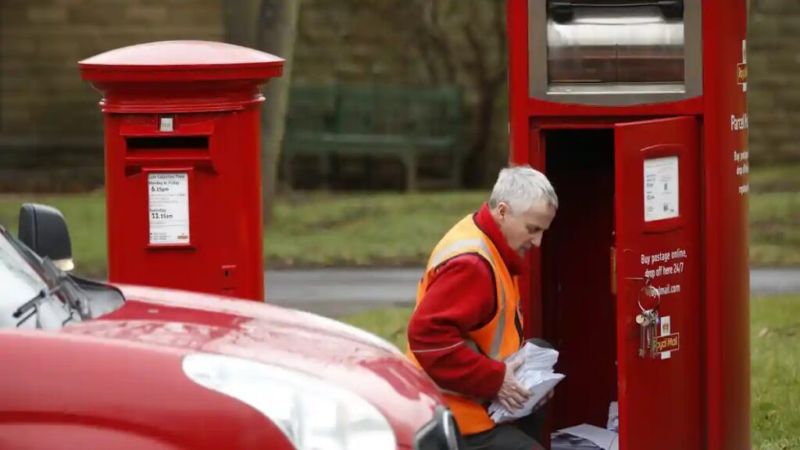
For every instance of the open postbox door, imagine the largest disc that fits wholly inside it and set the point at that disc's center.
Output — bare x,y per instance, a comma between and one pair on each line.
657,223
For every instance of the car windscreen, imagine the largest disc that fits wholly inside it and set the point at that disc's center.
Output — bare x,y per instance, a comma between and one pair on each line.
20,284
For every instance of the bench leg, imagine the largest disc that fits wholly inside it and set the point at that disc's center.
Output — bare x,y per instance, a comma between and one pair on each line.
369,176
455,173
410,161
286,163
325,170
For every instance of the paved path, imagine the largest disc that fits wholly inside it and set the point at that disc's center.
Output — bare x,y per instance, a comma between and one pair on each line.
774,281
342,291
334,292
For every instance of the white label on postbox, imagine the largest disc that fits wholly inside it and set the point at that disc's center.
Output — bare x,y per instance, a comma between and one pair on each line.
660,188
168,200
666,329
166,125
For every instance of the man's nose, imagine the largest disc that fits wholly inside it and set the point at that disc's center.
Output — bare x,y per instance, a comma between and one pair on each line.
536,240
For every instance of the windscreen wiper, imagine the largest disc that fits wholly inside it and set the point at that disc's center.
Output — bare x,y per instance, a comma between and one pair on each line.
52,277
34,301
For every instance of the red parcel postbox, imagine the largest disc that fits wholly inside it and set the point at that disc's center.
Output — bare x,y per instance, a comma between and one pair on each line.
182,150
636,110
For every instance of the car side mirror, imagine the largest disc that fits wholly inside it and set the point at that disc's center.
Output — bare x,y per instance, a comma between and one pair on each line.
43,229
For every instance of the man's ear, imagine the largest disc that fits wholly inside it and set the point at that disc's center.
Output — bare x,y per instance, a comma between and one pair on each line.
503,209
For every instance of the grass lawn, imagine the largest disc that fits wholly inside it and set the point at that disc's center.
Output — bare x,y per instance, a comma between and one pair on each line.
390,229
775,216
775,228
363,230
775,360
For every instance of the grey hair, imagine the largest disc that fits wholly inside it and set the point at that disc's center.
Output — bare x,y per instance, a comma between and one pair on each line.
521,187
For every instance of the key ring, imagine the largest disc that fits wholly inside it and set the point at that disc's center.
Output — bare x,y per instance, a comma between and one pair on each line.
652,291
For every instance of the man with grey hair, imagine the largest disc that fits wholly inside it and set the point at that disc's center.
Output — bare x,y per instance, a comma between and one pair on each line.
467,319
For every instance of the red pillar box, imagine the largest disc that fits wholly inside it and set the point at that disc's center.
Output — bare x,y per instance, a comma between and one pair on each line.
636,110
182,152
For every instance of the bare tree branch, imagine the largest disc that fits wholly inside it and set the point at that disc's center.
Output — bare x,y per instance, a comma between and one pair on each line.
478,53
502,44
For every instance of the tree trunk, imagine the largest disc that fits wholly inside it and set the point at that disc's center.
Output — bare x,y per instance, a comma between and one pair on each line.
479,158
240,23
270,26
277,35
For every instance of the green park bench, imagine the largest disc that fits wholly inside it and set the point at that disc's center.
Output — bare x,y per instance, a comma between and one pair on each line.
374,121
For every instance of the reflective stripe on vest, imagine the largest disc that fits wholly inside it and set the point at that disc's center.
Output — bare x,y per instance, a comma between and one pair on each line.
458,248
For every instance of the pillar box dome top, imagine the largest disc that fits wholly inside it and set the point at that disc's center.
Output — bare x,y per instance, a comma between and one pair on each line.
179,76
170,61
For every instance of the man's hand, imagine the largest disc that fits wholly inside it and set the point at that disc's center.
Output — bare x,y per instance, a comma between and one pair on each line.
512,395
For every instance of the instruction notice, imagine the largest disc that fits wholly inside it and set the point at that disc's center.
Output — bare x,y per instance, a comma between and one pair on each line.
671,264
660,188
742,161
168,199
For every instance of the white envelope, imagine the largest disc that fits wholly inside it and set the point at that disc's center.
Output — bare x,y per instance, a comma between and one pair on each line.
605,439
536,374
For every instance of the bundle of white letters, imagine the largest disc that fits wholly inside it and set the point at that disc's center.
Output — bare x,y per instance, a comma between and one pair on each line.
535,374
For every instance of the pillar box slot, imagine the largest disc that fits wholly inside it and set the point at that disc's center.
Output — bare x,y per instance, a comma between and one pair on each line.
159,151
167,143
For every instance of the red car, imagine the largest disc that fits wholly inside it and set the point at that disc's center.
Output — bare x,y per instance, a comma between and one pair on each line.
88,365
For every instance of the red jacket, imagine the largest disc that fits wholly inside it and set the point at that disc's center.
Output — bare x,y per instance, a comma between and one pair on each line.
461,298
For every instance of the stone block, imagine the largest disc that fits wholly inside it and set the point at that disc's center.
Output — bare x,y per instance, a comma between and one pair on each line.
153,15
102,15
66,50
13,48
776,6
47,13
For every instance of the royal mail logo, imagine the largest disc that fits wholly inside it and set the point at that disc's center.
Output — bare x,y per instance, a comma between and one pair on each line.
668,343
741,73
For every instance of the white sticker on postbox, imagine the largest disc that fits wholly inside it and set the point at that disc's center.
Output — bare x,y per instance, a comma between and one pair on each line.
168,200
666,330
660,188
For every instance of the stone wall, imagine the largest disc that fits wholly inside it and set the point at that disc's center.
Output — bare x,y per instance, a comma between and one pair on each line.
48,115
773,63
337,43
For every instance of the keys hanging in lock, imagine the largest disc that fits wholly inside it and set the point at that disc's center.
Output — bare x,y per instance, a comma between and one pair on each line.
648,321
648,326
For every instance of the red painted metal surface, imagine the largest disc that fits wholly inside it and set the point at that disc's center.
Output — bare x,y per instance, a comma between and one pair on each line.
718,387
209,91
726,273
97,393
100,389
666,392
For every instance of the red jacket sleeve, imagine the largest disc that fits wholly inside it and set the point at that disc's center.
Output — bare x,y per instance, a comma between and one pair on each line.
460,298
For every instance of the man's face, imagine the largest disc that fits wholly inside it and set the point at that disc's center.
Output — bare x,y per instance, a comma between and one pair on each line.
524,230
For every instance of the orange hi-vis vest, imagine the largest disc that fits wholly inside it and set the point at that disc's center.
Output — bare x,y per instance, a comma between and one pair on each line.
499,338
